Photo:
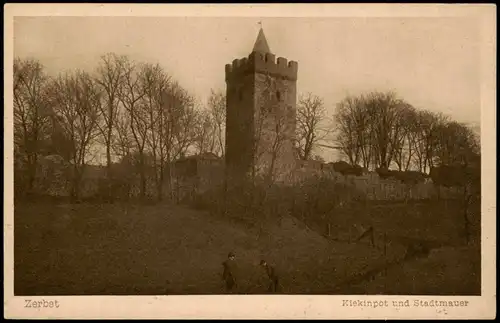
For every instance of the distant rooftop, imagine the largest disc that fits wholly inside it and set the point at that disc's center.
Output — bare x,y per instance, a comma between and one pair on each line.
206,155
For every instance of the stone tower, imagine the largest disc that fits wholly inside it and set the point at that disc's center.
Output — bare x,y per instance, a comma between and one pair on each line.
261,110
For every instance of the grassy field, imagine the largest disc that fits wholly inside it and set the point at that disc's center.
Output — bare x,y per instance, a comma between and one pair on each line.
438,222
88,249
456,269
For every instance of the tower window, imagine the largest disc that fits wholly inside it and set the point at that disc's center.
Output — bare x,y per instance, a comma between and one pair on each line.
278,95
241,94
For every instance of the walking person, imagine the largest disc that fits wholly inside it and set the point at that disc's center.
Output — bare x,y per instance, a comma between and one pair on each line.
229,273
272,275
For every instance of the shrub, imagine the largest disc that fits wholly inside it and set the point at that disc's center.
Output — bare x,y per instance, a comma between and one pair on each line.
455,175
313,200
406,177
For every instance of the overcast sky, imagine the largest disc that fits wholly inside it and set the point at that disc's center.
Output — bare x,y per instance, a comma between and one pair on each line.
431,62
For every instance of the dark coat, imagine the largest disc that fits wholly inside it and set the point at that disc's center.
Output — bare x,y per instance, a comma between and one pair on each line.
271,272
230,270
273,278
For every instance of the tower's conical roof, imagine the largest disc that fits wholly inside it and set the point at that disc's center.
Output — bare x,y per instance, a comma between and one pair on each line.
261,45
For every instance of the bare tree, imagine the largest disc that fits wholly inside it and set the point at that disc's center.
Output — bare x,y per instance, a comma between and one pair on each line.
429,124
384,115
170,120
381,130
310,113
76,101
456,144
155,82
183,121
410,121
123,147
457,156
178,127
217,107
32,115
373,130
400,132
206,132
109,76
122,140
279,125
130,95
352,128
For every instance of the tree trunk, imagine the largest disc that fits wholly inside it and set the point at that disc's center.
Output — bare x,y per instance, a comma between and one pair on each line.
75,185
109,175
221,143
108,160
160,184
271,168
143,178
170,175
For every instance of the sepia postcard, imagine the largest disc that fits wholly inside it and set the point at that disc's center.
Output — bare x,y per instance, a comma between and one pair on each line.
237,161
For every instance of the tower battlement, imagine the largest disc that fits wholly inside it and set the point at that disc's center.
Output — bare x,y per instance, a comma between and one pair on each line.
265,63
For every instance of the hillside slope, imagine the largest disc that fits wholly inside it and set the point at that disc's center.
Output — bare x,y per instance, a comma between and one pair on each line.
89,249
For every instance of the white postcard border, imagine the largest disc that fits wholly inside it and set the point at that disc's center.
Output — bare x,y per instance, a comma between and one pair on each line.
278,307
